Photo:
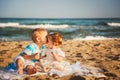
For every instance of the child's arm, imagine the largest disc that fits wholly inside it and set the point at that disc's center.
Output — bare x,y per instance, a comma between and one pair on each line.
41,57
35,56
30,52
57,57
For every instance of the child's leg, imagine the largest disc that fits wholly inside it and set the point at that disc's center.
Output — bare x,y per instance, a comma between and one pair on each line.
30,69
19,64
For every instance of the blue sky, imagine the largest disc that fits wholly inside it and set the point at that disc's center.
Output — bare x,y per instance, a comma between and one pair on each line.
60,8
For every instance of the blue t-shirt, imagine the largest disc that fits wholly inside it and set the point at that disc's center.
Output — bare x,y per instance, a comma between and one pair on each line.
31,50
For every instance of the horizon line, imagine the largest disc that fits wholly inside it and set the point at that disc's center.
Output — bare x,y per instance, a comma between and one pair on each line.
64,18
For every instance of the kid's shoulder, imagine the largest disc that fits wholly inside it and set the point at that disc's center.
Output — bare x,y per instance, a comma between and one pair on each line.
31,46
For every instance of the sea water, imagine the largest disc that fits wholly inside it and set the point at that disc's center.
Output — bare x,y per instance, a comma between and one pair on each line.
17,29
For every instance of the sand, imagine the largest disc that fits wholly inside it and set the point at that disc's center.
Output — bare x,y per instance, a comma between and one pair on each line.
104,54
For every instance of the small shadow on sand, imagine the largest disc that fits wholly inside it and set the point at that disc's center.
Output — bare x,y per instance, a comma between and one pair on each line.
77,78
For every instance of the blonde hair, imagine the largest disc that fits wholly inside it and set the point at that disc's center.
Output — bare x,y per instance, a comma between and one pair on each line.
56,38
37,32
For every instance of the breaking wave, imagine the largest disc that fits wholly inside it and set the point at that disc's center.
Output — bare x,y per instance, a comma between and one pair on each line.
114,24
92,38
46,26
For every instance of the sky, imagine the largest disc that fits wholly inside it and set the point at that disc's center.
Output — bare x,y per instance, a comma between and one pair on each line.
59,8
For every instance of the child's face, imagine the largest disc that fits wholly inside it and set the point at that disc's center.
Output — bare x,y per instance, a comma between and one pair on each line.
50,43
42,38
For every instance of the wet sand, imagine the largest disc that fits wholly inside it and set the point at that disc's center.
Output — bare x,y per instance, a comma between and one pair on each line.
104,54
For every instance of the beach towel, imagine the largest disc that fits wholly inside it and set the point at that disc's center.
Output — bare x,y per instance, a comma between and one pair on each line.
76,69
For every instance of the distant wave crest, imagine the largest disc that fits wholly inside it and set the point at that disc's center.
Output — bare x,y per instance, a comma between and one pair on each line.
114,24
46,26
8,24
92,38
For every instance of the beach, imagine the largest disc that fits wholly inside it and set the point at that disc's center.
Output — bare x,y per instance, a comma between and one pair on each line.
103,54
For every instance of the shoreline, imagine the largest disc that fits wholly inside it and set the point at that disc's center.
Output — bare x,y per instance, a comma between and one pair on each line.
104,54
90,38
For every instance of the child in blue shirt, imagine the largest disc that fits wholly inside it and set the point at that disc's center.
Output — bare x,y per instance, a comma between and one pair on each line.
26,59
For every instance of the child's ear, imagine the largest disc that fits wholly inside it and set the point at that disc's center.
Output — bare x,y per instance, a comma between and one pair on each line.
38,40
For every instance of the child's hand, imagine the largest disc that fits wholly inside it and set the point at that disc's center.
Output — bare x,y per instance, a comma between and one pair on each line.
41,57
36,56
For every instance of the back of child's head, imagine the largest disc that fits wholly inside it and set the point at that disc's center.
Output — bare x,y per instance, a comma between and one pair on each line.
38,32
56,38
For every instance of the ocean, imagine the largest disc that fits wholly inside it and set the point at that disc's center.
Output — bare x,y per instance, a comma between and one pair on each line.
17,29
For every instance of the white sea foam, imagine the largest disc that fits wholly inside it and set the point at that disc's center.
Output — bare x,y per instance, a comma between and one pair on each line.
92,38
8,24
46,26
114,24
